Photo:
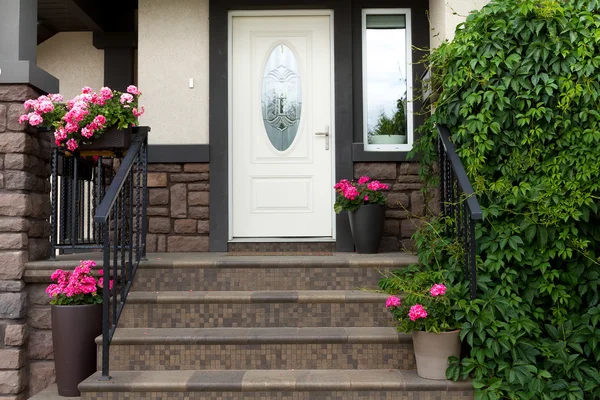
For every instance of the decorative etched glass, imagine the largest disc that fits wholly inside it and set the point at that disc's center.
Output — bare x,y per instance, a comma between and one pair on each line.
281,97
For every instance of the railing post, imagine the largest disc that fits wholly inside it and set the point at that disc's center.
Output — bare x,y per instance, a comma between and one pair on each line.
105,301
472,259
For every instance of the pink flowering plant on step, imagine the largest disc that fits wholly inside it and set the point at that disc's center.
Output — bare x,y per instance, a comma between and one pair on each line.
81,286
353,194
420,300
85,117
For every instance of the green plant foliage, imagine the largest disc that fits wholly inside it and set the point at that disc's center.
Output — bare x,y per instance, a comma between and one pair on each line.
520,93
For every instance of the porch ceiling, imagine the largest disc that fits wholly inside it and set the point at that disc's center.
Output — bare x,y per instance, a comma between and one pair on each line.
81,15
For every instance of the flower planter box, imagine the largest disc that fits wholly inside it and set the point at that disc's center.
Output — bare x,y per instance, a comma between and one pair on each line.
111,139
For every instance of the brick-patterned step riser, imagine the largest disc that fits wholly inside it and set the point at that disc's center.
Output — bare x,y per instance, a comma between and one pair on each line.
324,395
261,315
300,278
145,357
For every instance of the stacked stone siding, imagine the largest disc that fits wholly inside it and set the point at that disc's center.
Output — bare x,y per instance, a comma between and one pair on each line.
406,203
178,207
24,231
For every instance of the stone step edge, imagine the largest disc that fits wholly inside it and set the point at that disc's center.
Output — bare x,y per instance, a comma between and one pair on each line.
257,297
222,260
268,380
250,336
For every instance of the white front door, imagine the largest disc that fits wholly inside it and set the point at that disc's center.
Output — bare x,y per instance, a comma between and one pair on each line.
281,126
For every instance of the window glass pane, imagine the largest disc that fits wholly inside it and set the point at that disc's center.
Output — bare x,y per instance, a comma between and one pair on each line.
386,79
281,97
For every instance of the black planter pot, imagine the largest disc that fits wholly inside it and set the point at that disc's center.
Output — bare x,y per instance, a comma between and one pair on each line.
366,225
111,139
74,330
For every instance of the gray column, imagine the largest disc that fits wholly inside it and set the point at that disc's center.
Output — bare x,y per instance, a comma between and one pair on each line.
18,46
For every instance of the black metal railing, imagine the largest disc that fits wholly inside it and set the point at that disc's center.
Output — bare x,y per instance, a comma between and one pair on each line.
77,187
458,204
122,219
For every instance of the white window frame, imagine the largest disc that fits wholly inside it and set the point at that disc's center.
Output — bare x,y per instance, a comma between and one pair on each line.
409,81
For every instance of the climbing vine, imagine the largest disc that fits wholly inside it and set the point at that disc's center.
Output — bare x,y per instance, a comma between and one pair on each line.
520,92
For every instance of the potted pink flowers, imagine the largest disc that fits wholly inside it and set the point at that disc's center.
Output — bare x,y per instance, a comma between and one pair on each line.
427,311
365,202
90,121
76,302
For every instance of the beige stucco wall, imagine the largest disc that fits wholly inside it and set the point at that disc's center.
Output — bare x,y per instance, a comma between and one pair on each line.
445,15
72,58
172,48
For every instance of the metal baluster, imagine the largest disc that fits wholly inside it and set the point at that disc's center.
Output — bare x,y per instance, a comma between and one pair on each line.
115,239
124,277
74,206
54,213
105,301
144,150
138,215
130,227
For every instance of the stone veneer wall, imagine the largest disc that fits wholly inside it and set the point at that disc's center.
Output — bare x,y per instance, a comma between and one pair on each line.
406,202
178,207
24,231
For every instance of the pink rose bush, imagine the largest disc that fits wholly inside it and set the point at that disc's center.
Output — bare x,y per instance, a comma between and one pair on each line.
352,195
427,304
83,285
86,116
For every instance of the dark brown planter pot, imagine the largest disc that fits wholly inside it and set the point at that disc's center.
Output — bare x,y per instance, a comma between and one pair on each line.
366,225
74,330
111,139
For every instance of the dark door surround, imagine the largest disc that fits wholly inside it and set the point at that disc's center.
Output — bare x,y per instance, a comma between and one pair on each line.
346,70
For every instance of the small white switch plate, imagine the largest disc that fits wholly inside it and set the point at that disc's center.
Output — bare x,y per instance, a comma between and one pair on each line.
191,83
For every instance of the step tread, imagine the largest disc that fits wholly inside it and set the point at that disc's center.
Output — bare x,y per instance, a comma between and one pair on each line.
274,335
262,296
268,380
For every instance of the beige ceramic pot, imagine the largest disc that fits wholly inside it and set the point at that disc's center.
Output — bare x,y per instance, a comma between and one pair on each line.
432,351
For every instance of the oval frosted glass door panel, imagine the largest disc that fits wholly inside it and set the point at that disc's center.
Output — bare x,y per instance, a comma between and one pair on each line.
281,97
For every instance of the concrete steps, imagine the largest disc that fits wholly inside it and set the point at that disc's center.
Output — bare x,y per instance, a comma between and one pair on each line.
273,384
261,309
209,326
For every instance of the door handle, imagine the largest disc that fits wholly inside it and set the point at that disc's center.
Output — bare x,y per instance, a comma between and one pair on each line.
326,134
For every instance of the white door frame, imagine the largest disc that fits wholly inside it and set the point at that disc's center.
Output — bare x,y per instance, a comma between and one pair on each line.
266,13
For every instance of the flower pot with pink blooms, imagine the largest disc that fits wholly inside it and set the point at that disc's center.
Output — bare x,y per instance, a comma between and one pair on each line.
364,200
90,121
76,313
422,304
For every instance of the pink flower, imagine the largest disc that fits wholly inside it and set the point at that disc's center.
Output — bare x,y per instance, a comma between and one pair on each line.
35,119
86,90
45,106
438,290
417,311
23,118
138,113
133,90
87,132
363,179
101,283
392,301
366,197
126,98
57,98
376,185
72,144
106,93
351,193
100,120
71,127
29,104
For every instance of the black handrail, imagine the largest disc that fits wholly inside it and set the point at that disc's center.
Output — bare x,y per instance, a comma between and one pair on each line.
123,204
458,202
